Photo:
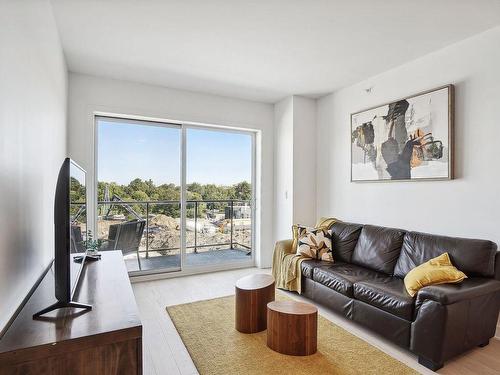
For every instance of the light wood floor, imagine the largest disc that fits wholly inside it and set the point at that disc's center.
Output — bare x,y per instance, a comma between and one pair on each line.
164,352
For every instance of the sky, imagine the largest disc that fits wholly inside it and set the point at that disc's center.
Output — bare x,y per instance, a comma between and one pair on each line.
127,151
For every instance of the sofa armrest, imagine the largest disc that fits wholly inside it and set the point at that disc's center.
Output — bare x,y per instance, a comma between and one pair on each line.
447,294
281,249
453,318
284,247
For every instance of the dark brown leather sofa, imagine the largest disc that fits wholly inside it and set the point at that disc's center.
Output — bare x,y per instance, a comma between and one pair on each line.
365,284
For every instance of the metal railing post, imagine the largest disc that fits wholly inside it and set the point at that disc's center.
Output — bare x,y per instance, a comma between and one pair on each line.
232,215
195,226
147,230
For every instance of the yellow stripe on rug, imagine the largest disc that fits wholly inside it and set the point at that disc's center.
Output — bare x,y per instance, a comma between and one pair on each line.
207,330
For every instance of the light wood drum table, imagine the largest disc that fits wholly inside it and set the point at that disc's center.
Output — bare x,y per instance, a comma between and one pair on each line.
292,327
253,293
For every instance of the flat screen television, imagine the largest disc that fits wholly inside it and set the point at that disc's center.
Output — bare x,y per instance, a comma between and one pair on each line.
70,225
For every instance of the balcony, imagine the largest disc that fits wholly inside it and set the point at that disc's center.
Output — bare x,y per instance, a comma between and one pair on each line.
149,232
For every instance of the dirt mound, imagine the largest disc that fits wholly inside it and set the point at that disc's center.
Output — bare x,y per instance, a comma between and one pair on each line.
164,221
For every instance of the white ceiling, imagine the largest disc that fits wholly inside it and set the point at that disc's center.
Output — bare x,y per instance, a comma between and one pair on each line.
260,50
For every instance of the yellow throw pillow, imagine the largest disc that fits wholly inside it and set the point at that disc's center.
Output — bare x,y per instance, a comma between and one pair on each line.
438,270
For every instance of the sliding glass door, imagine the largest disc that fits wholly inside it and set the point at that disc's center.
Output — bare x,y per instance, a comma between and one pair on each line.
174,196
139,193
219,196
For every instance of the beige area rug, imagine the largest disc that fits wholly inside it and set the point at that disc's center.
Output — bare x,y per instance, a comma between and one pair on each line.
207,330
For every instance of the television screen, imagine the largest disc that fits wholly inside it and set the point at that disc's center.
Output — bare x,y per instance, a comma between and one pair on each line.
78,209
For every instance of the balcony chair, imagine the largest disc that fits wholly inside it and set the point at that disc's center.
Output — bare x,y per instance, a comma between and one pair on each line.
76,242
126,237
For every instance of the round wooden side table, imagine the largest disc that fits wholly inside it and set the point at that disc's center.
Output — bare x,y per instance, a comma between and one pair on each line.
253,293
292,327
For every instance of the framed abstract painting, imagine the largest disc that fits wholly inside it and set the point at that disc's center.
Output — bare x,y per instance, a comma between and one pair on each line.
410,139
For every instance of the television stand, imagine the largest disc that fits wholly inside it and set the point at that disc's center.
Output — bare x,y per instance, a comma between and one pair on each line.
61,305
104,340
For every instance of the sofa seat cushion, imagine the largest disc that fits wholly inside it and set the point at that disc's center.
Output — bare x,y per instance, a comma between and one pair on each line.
308,265
342,276
388,294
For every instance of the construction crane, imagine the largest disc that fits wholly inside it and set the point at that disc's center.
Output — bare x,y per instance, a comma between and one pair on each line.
81,210
127,207
117,198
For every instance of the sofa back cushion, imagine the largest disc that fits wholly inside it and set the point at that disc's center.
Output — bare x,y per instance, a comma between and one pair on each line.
474,257
378,248
344,239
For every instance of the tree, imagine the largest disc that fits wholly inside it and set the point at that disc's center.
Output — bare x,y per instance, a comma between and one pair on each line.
168,192
140,196
77,191
195,187
136,185
139,190
243,190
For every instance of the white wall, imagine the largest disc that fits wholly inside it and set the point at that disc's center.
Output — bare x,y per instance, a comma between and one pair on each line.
294,164
283,169
88,94
467,206
304,161
33,82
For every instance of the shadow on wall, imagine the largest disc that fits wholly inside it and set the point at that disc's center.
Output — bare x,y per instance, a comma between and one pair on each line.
22,240
459,142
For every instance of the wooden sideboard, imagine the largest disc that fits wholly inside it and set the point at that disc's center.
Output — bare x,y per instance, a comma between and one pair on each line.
105,340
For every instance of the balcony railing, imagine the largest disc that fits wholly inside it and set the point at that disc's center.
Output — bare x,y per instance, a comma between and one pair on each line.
209,224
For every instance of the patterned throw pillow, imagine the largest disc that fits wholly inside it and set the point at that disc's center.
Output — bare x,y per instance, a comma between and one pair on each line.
322,223
315,243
